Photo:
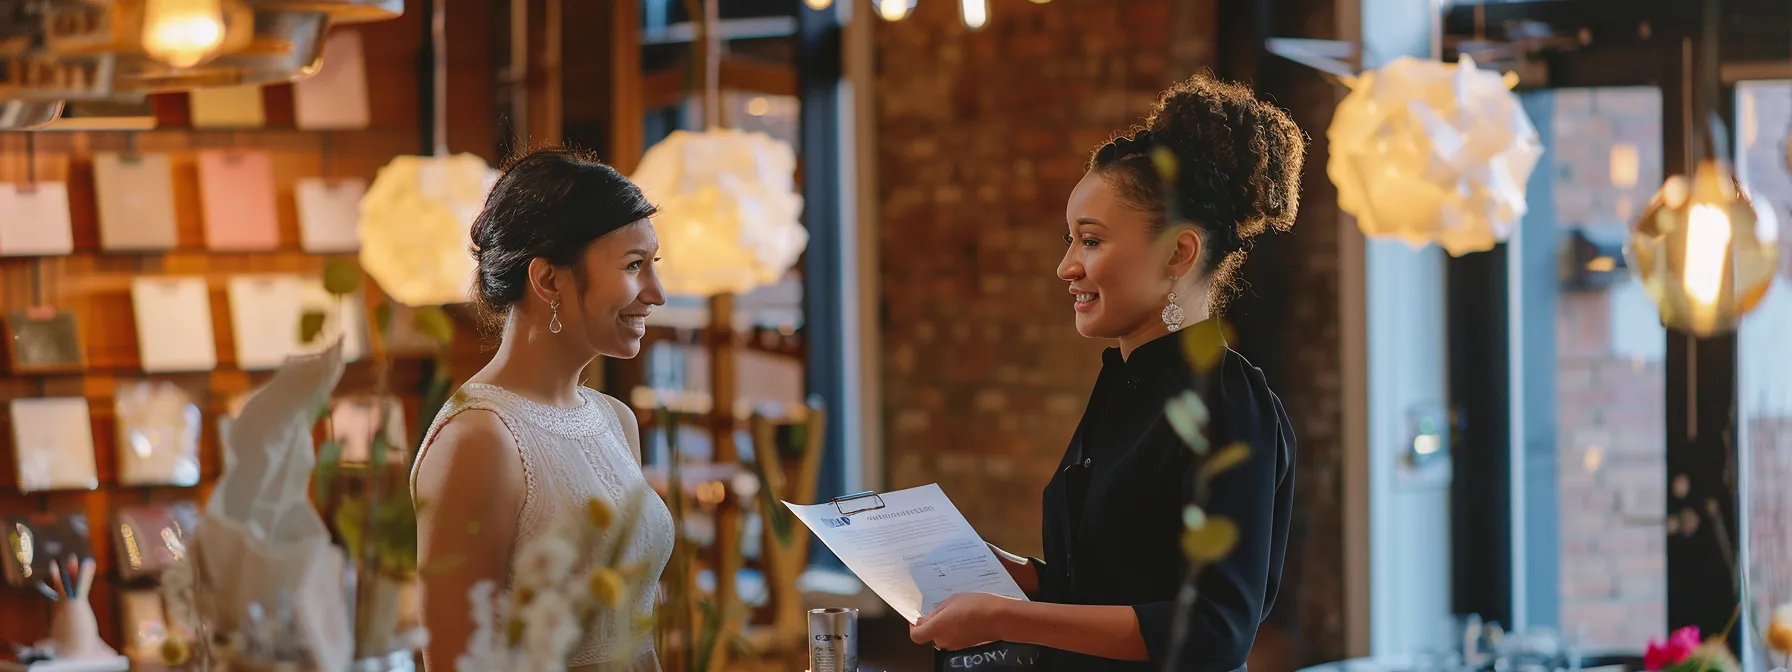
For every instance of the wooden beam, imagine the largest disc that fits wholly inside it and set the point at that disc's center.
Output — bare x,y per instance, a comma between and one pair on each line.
669,86
627,111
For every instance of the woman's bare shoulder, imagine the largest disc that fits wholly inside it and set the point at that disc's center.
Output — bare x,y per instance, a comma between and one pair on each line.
473,447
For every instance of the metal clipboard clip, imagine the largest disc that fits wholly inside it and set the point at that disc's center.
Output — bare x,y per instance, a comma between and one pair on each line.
839,502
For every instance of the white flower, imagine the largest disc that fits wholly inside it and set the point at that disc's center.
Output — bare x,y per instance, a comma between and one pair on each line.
550,628
546,561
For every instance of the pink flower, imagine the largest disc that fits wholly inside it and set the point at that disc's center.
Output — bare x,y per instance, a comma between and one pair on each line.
1679,646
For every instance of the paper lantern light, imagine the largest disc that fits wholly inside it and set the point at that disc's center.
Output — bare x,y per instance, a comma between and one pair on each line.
729,211
416,225
1430,152
1705,252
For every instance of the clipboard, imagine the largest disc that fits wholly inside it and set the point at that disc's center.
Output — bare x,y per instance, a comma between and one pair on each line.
840,503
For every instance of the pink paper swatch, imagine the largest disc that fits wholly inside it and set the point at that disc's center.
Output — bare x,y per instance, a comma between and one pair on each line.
237,193
335,97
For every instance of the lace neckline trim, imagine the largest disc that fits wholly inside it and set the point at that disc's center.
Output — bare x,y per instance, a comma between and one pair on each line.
583,420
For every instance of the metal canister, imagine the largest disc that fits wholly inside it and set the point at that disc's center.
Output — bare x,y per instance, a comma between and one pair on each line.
833,640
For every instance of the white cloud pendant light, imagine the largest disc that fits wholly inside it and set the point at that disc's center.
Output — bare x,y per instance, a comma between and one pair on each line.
1430,152
730,215
416,225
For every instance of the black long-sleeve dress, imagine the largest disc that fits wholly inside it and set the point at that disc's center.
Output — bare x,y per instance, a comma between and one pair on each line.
1113,512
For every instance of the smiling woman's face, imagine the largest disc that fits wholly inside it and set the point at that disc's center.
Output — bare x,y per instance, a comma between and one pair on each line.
1119,272
620,288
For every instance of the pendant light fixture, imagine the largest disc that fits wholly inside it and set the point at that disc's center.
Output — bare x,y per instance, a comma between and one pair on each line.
730,214
1705,254
974,12
894,10
183,33
417,217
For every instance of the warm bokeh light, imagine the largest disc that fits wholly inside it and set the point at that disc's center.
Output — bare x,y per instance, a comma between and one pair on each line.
1707,244
183,33
895,10
1705,251
975,13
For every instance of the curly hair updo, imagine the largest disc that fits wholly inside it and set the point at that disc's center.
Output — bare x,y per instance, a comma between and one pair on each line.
550,203
1237,171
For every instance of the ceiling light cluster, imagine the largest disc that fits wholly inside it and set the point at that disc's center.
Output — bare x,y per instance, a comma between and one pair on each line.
974,13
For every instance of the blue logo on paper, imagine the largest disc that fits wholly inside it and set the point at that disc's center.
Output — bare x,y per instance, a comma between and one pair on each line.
836,522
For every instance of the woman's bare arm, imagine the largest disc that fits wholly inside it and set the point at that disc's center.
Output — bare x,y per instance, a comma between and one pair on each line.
469,492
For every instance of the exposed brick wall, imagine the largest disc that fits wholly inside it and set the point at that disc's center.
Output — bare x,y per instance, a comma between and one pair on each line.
1296,283
1611,461
981,138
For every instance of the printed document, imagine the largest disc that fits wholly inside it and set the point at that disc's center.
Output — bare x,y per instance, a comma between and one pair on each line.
912,547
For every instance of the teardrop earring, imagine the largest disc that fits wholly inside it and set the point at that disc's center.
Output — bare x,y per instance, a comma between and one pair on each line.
1172,315
554,319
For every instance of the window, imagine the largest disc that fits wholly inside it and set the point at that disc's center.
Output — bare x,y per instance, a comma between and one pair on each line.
1586,356
1764,361
1610,457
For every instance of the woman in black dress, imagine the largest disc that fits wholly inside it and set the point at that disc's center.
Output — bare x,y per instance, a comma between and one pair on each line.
1147,256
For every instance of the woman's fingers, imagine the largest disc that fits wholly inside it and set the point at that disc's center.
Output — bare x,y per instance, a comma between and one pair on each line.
921,632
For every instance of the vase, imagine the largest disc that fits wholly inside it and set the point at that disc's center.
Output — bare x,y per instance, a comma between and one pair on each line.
75,631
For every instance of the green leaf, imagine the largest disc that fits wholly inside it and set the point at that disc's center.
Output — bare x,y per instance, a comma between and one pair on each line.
341,276
350,523
1193,517
1232,455
380,447
435,324
310,325
1165,163
382,318
329,459
1203,344
1188,416
1210,541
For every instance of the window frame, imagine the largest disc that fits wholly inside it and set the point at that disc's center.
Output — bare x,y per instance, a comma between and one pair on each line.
1501,354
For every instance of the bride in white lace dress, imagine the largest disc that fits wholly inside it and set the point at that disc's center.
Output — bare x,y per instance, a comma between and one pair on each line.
566,255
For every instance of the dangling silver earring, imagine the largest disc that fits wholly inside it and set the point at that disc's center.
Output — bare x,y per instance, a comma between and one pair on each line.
1172,314
554,320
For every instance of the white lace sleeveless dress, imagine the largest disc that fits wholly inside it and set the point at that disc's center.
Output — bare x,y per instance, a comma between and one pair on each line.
570,456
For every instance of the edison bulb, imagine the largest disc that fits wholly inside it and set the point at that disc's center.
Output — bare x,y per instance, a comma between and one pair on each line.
1706,254
183,33
974,12
894,10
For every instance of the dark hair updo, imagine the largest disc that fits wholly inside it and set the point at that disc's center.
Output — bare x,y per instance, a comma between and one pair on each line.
550,203
1236,172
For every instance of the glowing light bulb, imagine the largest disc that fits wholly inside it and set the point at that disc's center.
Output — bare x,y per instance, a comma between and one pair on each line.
1703,252
895,10
1707,244
819,4
183,33
1625,165
975,13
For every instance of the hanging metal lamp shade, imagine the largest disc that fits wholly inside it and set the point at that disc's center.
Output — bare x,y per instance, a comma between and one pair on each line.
119,52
